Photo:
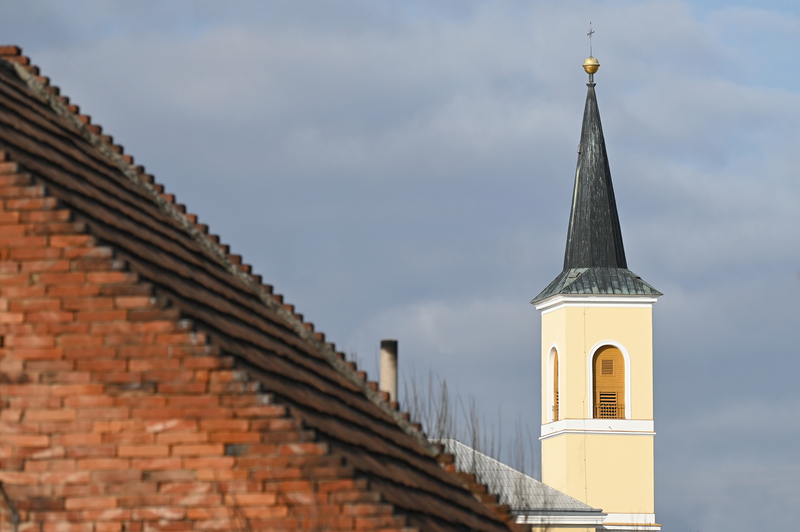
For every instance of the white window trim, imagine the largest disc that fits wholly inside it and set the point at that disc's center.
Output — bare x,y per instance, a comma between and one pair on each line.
589,380
549,383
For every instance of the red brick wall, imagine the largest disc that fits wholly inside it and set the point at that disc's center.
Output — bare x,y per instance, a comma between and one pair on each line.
116,415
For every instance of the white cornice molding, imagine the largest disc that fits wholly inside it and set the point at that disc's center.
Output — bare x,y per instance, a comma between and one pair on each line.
630,522
630,427
565,518
560,301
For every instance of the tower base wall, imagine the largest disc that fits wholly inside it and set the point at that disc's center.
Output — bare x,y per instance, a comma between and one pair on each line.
607,471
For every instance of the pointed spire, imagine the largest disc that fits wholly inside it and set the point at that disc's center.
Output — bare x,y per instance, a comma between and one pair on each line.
594,238
594,262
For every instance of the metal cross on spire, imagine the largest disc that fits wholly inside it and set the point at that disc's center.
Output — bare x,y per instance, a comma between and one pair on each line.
591,32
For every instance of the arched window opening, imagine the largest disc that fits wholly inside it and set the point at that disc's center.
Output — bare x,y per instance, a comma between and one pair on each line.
608,382
555,387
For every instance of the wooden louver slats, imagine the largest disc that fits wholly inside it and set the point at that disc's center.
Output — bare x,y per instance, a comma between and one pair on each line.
608,383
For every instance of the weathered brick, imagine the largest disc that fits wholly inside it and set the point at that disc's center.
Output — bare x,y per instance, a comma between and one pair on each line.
83,503
67,241
204,401
131,437
221,475
182,388
76,389
140,402
130,302
15,477
23,241
224,462
156,463
9,217
39,266
83,401
79,340
11,317
154,364
35,253
90,451
120,377
30,305
94,363
94,265
44,216
67,527
99,252
66,477
34,403
209,513
235,437
226,425
101,315
127,476
25,440
91,464
157,413
198,450
111,277
264,511
103,413
62,278
38,354
169,438
106,526
115,514
77,439
87,303
139,451
63,414
11,341
49,316
21,291
75,290
14,279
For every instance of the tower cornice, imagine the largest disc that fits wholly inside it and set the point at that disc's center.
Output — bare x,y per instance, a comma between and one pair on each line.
560,301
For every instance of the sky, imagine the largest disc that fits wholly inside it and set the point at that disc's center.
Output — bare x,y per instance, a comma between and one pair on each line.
404,170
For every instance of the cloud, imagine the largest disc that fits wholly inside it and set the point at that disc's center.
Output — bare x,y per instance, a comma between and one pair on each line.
405,170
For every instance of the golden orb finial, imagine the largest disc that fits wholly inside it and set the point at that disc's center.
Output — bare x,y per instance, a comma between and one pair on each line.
591,65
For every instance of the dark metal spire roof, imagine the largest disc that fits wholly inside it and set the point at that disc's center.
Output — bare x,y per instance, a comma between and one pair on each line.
594,261
594,239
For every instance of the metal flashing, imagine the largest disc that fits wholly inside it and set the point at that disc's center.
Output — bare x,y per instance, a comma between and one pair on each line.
597,281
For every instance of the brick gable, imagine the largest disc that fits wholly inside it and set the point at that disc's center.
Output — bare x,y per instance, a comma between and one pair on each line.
118,415
148,381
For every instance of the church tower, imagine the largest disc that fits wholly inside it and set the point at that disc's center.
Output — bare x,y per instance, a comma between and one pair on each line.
597,353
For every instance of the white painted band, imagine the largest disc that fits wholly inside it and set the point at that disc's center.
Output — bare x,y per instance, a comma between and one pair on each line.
635,427
571,519
567,300
630,522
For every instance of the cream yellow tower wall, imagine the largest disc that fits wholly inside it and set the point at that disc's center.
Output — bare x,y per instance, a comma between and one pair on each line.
606,463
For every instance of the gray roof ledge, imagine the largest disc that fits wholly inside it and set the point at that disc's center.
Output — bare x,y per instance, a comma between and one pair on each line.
594,260
530,501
